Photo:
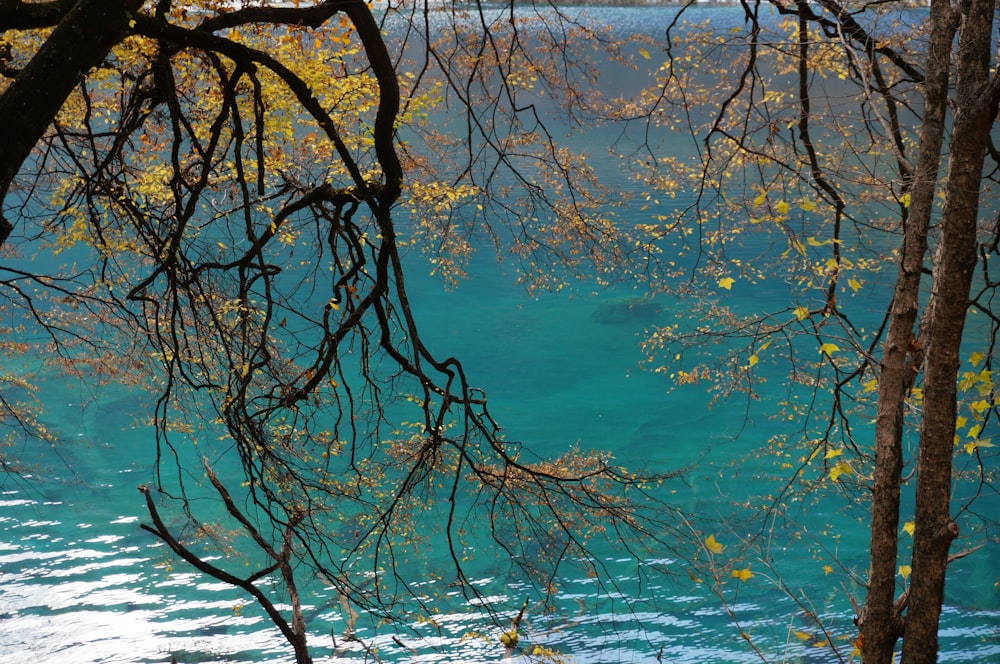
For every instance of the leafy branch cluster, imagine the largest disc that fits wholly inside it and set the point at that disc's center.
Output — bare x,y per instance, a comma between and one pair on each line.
230,178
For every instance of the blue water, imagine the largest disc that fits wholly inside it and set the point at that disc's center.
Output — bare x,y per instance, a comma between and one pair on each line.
81,582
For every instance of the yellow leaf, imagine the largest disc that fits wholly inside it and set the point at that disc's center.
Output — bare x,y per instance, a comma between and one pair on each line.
752,360
761,197
782,207
870,385
904,571
807,205
802,636
905,200
801,313
827,570
971,446
978,407
712,545
833,453
742,574
644,53
967,381
727,283
841,468
829,348
908,528
975,358
813,242
854,284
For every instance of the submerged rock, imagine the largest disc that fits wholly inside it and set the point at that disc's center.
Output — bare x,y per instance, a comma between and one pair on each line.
628,311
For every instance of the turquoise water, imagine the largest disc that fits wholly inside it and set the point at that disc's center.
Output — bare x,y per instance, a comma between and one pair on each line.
81,582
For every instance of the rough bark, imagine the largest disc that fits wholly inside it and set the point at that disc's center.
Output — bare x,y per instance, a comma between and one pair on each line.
975,108
880,623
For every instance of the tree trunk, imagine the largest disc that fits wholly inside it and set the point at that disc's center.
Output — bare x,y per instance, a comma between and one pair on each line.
975,108
880,623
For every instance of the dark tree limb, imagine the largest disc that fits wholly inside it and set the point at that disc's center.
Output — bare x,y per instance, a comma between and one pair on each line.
20,15
294,632
27,108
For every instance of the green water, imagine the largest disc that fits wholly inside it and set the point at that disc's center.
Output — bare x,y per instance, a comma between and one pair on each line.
81,582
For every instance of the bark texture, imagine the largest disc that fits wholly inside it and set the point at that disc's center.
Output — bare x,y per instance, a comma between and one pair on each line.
975,108
881,624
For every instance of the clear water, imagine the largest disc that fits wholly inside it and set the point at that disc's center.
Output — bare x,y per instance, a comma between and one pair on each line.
81,582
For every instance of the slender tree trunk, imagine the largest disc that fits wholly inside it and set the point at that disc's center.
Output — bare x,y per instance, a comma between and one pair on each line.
975,108
880,622
299,637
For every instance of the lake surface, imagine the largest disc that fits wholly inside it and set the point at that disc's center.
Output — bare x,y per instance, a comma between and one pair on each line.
81,582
